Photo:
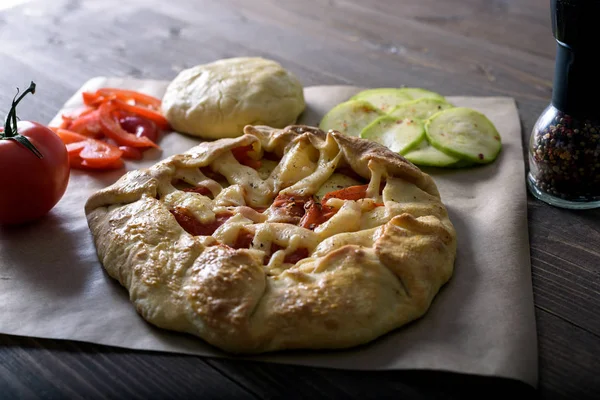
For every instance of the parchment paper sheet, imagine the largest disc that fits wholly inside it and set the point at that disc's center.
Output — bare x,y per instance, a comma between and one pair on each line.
482,322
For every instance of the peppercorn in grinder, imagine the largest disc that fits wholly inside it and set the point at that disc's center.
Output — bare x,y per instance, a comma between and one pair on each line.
564,147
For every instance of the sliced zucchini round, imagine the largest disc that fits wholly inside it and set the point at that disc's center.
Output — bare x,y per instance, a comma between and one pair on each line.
384,98
399,135
428,156
462,164
422,108
350,117
418,93
464,133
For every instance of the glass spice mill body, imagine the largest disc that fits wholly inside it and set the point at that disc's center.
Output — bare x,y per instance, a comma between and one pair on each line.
564,147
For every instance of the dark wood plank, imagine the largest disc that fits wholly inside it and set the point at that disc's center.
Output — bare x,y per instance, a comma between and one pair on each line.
565,264
565,351
494,21
63,369
57,369
569,359
469,47
271,381
38,107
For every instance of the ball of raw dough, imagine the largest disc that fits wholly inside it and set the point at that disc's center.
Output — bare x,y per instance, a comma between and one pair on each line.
217,100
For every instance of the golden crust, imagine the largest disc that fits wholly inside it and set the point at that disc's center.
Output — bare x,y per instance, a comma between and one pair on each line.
368,271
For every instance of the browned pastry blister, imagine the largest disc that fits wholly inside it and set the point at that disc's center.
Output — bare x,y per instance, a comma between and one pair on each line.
213,245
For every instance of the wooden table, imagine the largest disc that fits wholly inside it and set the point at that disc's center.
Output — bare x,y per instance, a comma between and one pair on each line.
456,47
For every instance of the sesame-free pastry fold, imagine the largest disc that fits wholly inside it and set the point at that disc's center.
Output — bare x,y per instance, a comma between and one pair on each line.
289,238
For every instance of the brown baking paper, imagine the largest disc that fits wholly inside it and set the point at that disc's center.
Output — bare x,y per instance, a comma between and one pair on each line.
482,322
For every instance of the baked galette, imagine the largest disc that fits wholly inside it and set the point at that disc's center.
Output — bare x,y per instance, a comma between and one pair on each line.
278,239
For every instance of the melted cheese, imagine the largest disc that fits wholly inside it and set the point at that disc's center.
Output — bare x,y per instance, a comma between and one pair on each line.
347,219
296,165
276,260
266,168
263,237
290,237
335,182
374,217
375,182
251,214
200,206
313,182
300,172
230,196
196,178
400,191
257,191
229,231
285,235
364,238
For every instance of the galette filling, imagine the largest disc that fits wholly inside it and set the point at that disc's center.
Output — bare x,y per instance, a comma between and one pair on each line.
308,211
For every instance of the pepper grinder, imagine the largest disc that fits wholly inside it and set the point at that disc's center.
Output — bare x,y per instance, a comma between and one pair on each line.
564,146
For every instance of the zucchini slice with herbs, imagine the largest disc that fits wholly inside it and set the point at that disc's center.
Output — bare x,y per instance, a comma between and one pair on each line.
384,98
350,117
464,133
426,155
422,108
399,135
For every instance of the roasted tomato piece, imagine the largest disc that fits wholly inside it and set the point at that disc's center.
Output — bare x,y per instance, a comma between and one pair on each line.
289,208
243,240
203,190
191,225
241,155
296,255
316,214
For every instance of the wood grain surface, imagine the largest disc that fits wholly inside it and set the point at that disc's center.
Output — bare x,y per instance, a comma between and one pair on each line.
455,47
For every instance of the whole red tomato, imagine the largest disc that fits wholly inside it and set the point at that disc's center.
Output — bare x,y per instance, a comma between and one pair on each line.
34,168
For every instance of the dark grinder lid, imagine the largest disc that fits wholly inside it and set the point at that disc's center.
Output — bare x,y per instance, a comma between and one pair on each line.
576,28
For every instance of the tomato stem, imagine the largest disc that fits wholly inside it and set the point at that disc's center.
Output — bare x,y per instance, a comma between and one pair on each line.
11,131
